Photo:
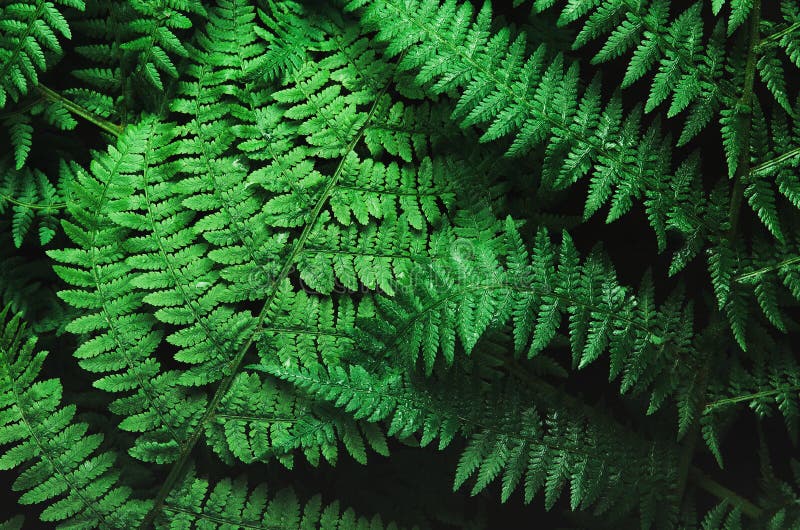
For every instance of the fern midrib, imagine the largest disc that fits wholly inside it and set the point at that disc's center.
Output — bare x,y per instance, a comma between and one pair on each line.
267,136
249,89
516,369
749,397
237,225
778,35
667,44
764,270
224,520
33,206
256,417
178,280
305,331
743,166
775,162
691,433
151,36
397,192
233,367
122,346
308,382
344,51
80,111
403,330
125,74
362,254
425,128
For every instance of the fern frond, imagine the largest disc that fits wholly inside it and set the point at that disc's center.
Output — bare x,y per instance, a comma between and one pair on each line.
740,9
508,439
31,196
119,338
533,99
61,465
151,37
770,271
780,35
22,120
187,220
29,44
26,286
288,34
106,78
771,71
772,384
410,132
314,226
465,294
197,503
722,516
668,46
280,424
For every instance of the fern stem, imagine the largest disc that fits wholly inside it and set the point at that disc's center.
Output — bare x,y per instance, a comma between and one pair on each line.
778,35
748,397
716,489
774,162
178,467
690,440
743,167
687,448
80,111
32,206
745,277
223,521
255,417
703,481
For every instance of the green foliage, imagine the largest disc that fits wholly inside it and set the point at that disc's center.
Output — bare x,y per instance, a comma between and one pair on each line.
535,101
231,504
508,440
292,238
29,43
462,296
30,196
60,463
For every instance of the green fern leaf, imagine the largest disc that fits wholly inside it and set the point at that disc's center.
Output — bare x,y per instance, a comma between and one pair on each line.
740,9
197,504
63,466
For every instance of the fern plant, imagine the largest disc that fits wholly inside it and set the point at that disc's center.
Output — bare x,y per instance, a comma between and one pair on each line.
541,251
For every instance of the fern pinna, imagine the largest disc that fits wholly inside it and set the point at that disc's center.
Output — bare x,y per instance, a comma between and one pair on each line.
271,244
